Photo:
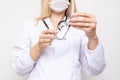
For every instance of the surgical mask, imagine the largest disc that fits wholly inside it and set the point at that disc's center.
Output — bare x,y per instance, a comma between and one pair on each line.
59,5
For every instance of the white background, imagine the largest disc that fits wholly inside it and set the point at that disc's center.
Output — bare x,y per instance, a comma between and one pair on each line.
13,13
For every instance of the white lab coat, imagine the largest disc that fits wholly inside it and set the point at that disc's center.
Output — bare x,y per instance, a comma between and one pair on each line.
62,60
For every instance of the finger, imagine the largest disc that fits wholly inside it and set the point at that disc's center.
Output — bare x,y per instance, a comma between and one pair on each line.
46,44
87,25
50,31
84,29
45,40
83,19
82,14
51,36
47,36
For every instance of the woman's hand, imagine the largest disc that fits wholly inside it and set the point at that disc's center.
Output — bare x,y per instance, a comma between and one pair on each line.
46,38
85,22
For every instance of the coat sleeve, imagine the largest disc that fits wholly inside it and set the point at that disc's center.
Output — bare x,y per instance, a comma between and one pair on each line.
93,61
22,63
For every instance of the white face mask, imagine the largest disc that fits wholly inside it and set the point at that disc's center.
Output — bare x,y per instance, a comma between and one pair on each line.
59,5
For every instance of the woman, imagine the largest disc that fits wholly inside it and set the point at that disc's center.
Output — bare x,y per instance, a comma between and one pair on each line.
48,51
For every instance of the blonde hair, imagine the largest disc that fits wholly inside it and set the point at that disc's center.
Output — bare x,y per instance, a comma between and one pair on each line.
46,11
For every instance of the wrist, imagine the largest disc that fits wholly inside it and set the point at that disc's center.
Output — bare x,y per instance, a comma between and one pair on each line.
93,38
35,52
92,43
38,47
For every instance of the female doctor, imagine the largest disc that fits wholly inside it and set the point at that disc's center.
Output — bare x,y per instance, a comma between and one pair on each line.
59,44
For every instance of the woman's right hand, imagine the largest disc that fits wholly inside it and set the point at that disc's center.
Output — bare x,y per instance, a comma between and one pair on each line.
46,38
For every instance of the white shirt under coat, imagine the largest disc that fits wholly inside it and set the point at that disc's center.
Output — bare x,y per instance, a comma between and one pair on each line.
62,60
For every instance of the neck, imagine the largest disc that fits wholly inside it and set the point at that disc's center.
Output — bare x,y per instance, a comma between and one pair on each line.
57,17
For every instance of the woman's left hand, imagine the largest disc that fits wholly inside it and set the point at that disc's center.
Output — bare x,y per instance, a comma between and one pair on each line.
85,22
